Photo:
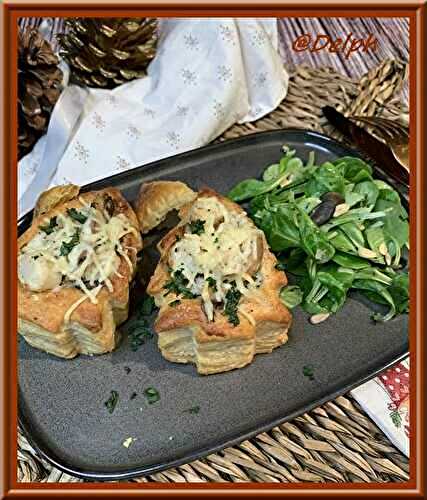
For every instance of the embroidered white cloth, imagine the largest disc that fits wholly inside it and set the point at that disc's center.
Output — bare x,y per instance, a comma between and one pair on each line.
207,75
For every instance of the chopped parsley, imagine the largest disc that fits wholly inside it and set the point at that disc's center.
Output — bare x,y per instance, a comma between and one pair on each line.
76,215
66,247
212,283
197,226
216,240
138,334
194,410
178,285
152,395
147,306
49,228
137,327
112,401
232,298
308,372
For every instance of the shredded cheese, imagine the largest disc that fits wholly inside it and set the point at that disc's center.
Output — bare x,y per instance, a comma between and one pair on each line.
247,316
81,247
226,250
73,307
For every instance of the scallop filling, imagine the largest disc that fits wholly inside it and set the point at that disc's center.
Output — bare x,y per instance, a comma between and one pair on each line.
217,258
79,248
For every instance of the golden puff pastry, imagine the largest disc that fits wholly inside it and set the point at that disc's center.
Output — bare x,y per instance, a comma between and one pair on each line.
156,199
53,197
217,288
75,264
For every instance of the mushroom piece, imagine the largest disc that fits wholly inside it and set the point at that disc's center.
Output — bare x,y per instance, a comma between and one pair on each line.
325,211
255,259
37,273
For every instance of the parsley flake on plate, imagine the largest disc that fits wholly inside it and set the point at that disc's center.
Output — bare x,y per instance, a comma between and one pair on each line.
139,333
308,372
194,410
147,306
152,395
112,401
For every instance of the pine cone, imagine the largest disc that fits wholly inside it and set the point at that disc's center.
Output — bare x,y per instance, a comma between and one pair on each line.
106,52
39,80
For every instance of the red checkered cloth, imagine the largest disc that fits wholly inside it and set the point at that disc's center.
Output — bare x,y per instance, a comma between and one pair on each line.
386,400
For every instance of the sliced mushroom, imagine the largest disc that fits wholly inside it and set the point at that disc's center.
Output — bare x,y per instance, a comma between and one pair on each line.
255,259
325,211
37,273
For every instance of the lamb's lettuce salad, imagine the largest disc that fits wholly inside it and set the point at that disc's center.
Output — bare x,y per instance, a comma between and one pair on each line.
334,228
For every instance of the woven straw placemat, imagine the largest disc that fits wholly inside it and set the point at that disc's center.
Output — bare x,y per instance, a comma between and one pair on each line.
336,442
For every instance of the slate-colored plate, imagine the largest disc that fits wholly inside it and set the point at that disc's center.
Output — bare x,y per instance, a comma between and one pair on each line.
61,402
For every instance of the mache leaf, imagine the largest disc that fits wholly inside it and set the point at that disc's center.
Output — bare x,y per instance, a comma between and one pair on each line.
291,296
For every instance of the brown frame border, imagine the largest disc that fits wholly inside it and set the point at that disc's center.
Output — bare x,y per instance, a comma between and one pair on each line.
11,11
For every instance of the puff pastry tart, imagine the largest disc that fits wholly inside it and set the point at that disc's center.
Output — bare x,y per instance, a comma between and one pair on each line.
217,288
75,264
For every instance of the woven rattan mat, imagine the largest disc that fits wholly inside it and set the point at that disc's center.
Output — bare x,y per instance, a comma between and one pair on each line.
335,442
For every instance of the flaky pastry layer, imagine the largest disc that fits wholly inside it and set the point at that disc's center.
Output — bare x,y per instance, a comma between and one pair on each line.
184,333
91,328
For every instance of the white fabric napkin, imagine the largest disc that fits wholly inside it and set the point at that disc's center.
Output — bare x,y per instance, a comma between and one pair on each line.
207,75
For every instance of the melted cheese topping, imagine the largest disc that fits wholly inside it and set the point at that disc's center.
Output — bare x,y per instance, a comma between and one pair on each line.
228,249
82,251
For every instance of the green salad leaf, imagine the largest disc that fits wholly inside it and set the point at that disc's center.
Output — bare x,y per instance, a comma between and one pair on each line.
369,191
359,247
285,175
291,296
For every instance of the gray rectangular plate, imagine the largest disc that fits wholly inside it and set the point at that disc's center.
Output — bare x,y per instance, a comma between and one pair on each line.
61,402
